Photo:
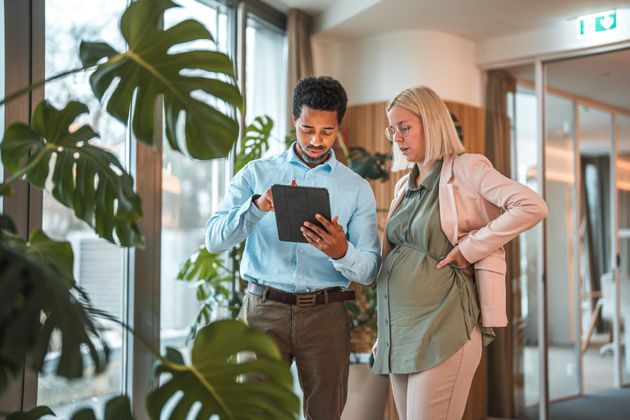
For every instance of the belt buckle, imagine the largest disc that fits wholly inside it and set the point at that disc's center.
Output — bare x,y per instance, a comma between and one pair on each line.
306,301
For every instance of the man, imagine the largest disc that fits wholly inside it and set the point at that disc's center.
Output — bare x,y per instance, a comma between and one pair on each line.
295,290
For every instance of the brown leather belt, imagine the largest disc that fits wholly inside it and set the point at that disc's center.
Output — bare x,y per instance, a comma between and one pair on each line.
302,300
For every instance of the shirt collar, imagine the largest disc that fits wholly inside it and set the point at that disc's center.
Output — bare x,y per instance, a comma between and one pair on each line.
429,181
327,166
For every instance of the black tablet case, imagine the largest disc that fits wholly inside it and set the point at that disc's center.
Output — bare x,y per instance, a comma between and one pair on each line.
295,205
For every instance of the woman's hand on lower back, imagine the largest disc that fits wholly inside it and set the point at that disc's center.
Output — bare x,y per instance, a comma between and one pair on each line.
456,257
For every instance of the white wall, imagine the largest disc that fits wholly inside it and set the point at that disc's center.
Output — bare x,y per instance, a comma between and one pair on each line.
559,38
374,69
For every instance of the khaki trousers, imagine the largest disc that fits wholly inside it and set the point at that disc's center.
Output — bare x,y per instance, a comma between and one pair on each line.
317,339
442,391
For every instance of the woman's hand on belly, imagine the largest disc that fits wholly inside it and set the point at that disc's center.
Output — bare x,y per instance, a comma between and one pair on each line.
457,258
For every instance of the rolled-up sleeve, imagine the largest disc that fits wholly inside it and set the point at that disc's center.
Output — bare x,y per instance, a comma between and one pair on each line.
362,259
236,216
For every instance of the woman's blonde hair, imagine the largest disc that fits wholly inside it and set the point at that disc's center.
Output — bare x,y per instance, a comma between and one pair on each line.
440,135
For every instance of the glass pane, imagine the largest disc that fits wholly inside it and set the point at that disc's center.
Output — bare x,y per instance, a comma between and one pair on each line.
561,252
99,265
596,276
266,78
1,84
526,165
191,192
623,207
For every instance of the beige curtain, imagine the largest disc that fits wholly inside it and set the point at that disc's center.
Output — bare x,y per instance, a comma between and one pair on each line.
505,364
300,56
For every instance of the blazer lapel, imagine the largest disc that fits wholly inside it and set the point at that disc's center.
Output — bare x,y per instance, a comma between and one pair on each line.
448,209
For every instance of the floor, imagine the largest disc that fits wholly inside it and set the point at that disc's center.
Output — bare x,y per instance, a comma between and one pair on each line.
612,404
598,372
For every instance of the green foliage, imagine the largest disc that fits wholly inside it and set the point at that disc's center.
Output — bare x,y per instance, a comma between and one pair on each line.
86,178
149,70
255,141
35,280
118,408
42,308
368,165
34,414
263,390
207,273
363,309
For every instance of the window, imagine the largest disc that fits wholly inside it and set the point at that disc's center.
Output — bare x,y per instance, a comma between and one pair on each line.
191,192
1,84
266,78
99,266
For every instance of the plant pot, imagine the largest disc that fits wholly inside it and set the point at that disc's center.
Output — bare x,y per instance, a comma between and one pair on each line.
367,394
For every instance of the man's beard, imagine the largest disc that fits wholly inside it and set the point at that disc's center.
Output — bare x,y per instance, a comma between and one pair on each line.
308,159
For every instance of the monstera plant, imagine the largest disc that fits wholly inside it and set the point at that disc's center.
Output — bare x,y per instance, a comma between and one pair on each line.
40,299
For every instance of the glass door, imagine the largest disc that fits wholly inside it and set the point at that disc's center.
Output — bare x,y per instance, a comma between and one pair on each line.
561,237
525,163
622,186
597,288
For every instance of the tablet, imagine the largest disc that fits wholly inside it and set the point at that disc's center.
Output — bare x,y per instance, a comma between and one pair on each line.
295,205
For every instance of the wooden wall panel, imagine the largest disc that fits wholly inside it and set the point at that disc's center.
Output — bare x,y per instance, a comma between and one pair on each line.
364,126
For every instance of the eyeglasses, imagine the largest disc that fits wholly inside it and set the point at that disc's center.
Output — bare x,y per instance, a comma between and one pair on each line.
390,132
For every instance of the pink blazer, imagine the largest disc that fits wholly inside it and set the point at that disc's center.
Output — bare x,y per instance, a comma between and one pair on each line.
480,210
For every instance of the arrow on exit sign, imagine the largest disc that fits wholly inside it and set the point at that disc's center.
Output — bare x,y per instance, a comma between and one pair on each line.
596,23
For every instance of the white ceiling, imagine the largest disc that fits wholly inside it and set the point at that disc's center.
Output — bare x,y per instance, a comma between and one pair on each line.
473,19
604,78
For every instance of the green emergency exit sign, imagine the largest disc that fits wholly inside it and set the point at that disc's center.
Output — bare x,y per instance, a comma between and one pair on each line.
597,22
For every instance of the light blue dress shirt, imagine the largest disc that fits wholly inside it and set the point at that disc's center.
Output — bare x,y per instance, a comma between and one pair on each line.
297,267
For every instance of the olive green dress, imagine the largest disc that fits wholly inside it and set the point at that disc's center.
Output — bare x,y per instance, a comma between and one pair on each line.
424,314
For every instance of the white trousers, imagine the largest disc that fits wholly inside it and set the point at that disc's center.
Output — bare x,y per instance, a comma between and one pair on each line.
442,391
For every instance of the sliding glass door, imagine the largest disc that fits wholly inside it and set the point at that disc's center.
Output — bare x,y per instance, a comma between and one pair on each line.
562,254
587,180
623,240
571,327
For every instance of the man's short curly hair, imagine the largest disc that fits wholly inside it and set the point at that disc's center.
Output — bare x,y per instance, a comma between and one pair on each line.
323,93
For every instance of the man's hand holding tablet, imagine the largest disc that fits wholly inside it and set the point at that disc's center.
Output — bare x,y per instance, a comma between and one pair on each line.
303,215
331,239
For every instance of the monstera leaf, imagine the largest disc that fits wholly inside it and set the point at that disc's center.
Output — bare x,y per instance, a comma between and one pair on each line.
148,70
86,178
262,391
255,141
34,414
118,408
37,300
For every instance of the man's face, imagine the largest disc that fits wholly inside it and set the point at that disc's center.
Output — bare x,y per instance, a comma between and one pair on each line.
316,132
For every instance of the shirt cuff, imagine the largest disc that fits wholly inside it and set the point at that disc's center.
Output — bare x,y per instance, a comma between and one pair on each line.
250,212
347,260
